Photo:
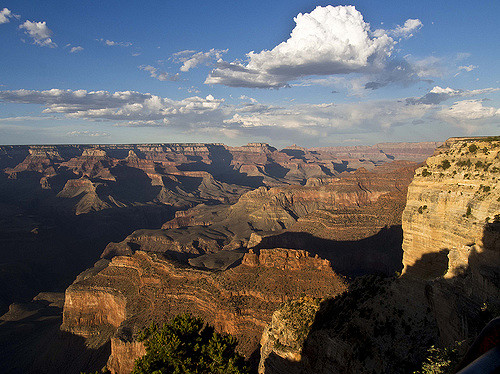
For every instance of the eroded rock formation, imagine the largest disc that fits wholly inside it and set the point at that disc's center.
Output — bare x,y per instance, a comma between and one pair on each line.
68,202
353,220
134,290
449,288
451,229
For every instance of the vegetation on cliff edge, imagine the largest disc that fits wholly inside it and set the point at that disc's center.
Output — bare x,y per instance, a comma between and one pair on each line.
188,345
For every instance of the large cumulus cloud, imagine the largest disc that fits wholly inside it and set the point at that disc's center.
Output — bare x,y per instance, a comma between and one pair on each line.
329,40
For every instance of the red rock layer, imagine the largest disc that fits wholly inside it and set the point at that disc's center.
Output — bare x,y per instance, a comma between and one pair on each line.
135,290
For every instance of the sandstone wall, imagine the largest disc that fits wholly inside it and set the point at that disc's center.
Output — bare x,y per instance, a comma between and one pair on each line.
133,291
451,227
451,206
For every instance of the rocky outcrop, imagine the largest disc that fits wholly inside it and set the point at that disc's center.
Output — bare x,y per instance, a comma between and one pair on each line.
451,207
283,338
285,259
134,290
452,233
449,288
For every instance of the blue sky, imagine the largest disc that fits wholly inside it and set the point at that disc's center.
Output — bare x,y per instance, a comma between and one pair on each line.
283,72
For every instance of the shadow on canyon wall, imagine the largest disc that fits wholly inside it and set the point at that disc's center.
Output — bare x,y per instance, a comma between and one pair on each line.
33,343
380,253
458,308
43,246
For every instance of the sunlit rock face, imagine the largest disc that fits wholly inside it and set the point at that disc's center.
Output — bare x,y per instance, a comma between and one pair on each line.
448,290
451,227
451,208
120,299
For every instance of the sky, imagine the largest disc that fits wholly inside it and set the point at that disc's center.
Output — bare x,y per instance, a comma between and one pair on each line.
282,72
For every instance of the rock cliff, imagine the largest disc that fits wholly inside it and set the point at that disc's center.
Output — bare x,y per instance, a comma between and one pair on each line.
451,227
452,202
134,290
449,288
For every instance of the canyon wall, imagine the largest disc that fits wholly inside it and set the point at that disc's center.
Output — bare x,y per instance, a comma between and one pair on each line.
452,202
451,227
133,291
448,291
352,220
69,201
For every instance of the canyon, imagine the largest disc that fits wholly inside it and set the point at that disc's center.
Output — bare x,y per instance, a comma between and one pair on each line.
447,292
236,234
69,201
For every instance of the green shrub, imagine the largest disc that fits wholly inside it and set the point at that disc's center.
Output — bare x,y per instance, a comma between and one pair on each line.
484,188
187,345
469,212
467,163
422,208
445,164
472,148
440,360
426,173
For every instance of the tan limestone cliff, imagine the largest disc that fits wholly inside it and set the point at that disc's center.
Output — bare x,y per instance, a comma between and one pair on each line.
452,203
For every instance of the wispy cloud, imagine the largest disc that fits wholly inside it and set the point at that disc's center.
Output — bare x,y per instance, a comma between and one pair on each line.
157,74
25,118
39,32
111,43
191,59
407,30
467,68
76,49
86,133
438,95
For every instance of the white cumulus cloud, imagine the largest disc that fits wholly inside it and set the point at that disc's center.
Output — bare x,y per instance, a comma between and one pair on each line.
39,32
5,14
118,106
469,110
329,40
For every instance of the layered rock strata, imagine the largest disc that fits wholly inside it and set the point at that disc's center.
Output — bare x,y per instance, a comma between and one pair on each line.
352,220
449,288
134,290
453,201
451,227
